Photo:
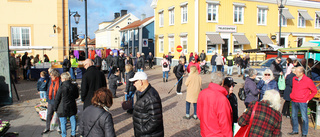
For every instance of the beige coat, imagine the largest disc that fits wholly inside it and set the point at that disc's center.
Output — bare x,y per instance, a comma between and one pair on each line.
193,84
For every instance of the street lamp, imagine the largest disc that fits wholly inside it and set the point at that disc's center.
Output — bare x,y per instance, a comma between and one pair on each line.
281,4
76,19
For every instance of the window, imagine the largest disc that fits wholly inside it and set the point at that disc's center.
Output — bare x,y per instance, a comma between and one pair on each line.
300,42
129,23
238,14
171,17
211,48
184,14
161,45
262,16
171,45
20,36
212,12
184,44
301,21
317,24
161,19
283,21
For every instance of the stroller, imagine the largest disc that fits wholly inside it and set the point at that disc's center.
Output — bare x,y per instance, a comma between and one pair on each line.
204,67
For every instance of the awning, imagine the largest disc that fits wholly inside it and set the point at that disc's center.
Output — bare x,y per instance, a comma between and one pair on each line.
275,47
305,15
318,13
309,44
287,14
22,48
301,49
241,39
265,39
215,39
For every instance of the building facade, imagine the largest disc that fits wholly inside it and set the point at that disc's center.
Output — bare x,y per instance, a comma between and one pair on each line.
230,26
36,23
138,37
108,34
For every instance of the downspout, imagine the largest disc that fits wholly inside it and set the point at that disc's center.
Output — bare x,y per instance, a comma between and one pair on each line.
63,30
196,27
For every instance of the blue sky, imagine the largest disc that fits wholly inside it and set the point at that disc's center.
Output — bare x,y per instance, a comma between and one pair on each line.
103,10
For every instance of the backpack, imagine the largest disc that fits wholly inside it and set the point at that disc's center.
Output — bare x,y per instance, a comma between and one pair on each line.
242,94
165,64
175,69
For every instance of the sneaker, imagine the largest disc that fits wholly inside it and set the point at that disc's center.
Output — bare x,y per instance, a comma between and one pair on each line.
195,117
179,93
186,117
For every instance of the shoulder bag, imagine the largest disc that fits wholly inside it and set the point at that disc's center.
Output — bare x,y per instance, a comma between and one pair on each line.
127,104
244,131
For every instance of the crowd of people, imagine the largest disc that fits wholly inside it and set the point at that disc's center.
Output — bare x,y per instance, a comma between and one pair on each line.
217,116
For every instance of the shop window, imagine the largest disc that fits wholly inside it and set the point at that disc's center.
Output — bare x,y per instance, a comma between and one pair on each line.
211,48
260,45
237,48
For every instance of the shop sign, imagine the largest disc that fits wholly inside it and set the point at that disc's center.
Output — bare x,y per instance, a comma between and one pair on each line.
226,28
273,37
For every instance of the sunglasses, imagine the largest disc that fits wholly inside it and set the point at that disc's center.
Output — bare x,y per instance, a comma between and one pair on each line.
279,60
267,74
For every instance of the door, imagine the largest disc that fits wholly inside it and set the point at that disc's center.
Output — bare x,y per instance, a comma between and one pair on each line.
225,47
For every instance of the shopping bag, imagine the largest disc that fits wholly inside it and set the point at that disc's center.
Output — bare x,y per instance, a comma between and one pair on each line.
281,83
43,115
236,128
54,124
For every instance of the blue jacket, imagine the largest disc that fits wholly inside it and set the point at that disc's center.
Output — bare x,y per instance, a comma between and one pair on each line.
264,87
251,90
42,84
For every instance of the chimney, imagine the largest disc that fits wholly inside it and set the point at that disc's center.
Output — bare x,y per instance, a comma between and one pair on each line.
123,12
116,15
143,16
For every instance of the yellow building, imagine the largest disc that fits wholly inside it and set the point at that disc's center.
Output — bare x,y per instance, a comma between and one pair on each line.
231,26
32,24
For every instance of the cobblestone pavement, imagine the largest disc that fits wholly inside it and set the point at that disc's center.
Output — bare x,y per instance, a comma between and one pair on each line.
26,121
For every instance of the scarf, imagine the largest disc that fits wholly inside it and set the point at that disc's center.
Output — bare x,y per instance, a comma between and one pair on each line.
56,86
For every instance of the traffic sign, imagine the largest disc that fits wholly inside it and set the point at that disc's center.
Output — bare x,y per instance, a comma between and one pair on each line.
179,48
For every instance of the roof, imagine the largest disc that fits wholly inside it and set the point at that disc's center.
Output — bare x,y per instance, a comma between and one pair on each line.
114,22
92,42
136,24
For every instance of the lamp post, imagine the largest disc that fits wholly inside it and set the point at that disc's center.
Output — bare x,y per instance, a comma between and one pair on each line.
76,19
281,4
86,26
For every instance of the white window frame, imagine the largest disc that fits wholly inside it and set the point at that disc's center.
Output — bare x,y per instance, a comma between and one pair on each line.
184,10
161,40
171,39
263,15
20,36
303,40
238,11
161,20
301,20
212,5
284,21
317,21
171,17
185,51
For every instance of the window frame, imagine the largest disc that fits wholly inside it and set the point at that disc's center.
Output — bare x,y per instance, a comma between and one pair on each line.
182,14
161,19
20,36
300,21
242,15
265,16
185,51
171,46
161,40
171,17
216,48
217,12
284,21
317,22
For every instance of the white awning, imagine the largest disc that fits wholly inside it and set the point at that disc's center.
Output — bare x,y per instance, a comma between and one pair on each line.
287,14
305,14
309,44
20,48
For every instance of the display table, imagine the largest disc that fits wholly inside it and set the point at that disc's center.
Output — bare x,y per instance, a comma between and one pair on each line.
35,72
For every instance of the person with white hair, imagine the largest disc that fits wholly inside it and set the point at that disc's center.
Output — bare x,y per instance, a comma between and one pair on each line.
267,83
267,118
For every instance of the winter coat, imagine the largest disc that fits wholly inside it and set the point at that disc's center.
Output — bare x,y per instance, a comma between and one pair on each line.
213,60
315,74
302,90
190,58
168,63
234,105
46,59
219,60
97,61
139,63
180,71
276,69
194,64
113,82
42,84
288,89
196,57
66,65
238,61
65,101
230,60
92,80
214,112
193,84
251,90
147,114
169,58
203,56
150,58
23,60
110,61
12,63
104,65
104,126
263,87
129,85
121,63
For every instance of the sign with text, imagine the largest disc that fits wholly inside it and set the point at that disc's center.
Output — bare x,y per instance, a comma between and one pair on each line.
226,28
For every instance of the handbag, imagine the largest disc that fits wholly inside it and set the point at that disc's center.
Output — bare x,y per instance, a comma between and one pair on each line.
281,83
127,105
244,131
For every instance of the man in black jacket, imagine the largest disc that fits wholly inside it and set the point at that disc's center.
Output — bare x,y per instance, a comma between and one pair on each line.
213,63
147,112
229,84
66,64
179,73
110,62
23,63
121,66
97,61
238,61
150,60
139,63
276,68
92,80
202,56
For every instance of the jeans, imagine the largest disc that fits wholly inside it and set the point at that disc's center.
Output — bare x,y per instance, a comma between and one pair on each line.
242,70
165,74
222,69
28,73
239,70
110,71
230,70
121,77
179,85
73,76
188,108
140,70
295,124
214,68
42,94
63,122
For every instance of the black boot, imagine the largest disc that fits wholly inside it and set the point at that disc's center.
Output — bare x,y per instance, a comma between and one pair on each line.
166,80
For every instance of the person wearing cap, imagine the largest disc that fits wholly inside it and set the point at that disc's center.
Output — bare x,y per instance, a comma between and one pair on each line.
267,83
147,111
193,63
214,110
229,84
